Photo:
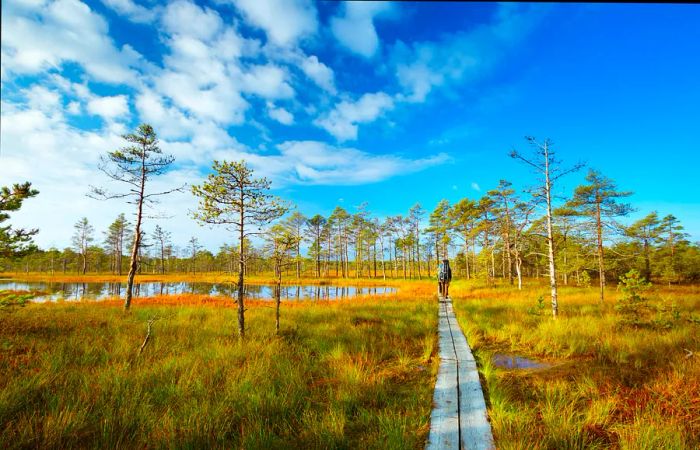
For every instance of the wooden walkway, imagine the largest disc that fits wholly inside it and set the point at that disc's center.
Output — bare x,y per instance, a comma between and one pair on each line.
458,419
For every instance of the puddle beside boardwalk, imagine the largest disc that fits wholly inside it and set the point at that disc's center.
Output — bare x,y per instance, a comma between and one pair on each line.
98,291
516,362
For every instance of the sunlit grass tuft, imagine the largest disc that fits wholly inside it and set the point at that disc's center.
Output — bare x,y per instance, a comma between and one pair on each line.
609,384
340,374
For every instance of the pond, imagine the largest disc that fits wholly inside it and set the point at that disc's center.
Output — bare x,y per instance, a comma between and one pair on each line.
516,362
52,291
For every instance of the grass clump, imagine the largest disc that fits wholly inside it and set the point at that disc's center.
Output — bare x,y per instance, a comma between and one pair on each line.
343,375
609,384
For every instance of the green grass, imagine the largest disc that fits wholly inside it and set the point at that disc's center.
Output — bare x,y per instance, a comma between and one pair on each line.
351,375
612,384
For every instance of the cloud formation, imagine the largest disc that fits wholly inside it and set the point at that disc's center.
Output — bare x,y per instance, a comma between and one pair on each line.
284,21
354,27
214,83
40,36
342,121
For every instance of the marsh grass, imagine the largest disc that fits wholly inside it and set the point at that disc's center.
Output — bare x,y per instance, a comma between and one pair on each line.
612,384
339,375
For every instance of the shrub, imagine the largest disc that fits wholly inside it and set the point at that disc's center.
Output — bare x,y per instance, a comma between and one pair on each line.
632,304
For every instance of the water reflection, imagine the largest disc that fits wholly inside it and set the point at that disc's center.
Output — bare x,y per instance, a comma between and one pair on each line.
516,362
97,291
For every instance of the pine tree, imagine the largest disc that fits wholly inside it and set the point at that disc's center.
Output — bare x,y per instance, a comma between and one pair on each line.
231,196
82,238
15,241
314,230
647,231
162,238
135,165
598,200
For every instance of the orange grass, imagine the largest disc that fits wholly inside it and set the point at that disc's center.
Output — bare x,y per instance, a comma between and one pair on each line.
611,383
207,277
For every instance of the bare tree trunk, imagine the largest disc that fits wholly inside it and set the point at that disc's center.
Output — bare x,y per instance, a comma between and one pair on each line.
278,301
374,258
381,244
509,261
518,270
647,262
475,267
420,277
466,256
241,265
133,265
550,238
601,264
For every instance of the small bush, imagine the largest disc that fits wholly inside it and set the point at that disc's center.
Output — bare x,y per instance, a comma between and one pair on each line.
537,310
584,279
632,304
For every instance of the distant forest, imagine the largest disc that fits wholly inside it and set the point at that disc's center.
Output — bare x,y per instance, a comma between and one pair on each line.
492,237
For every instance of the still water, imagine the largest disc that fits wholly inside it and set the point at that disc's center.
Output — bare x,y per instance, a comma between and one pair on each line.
516,362
49,291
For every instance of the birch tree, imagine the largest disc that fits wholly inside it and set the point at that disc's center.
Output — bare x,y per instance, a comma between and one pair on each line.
135,165
231,196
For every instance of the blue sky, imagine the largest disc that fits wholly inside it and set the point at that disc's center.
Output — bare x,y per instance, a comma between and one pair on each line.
342,103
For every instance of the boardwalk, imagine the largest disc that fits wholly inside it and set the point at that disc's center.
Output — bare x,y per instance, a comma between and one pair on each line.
458,419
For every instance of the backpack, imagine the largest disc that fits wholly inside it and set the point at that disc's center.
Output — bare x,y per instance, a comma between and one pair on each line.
442,274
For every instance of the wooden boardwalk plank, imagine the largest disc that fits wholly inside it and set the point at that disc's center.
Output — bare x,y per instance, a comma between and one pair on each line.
459,418
444,419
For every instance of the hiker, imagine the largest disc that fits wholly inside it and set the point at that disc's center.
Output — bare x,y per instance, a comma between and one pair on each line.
444,278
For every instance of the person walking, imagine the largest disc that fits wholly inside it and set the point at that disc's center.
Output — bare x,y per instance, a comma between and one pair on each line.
444,278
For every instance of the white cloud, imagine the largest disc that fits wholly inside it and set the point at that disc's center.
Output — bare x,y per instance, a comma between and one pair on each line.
220,101
38,36
132,10
42,99
204,74
475,186
74,108
316,162
267,81
284,21
170,122
185,17
355,30
109,108
320,73
463,56
280,114
342,121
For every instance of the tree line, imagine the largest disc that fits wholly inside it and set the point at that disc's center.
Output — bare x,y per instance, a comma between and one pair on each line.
504,235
